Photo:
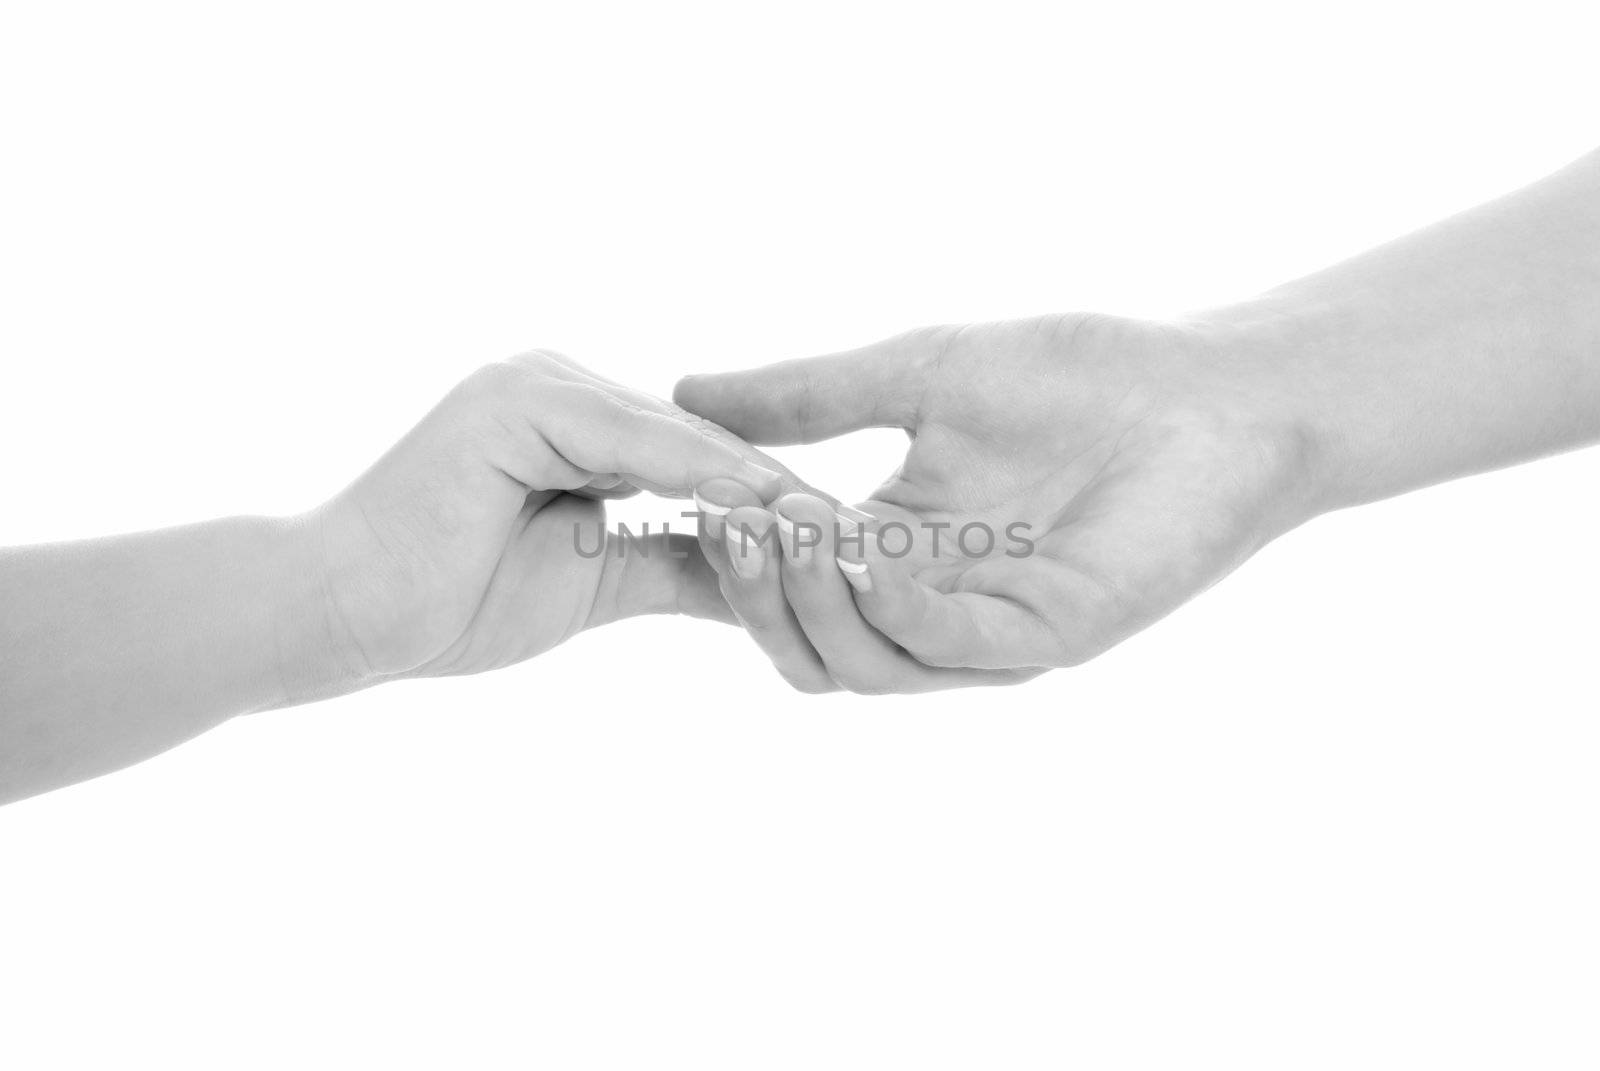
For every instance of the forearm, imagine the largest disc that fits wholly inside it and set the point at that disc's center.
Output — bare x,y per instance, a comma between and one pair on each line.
1470,345
112,650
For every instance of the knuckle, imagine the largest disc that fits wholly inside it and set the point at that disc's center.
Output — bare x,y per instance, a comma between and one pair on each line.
927,333
495,373
930,345
538,360
494,381
806,414
603,398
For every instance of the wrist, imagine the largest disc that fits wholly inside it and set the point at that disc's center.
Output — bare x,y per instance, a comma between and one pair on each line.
314,656
1270,359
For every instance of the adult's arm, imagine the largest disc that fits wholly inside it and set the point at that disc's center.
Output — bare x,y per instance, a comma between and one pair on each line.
1470,345
1147,459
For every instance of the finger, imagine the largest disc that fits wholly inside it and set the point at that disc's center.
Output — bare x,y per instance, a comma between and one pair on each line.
713,501
602,433
555,365
802,401
857,656
747,555
657,574
974,628
560,366
606,487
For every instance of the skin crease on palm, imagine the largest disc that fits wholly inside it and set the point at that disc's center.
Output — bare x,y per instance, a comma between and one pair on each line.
1140,483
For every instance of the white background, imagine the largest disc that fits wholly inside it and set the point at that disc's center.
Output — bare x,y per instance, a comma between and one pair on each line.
1340,812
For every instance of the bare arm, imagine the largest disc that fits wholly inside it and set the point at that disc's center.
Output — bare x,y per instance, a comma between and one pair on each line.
460,550
115,649
1469,345
1147,459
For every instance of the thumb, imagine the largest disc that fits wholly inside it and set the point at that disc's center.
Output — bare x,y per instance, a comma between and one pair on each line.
812,398
657,574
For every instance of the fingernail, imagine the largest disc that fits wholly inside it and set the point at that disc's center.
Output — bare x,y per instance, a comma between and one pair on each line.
856,573
747,557
710,509
799,552
851,533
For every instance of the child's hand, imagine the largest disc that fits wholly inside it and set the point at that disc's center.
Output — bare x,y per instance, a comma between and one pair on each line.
465,547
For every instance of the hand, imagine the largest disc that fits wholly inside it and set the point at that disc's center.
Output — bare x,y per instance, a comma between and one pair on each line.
1144,460
468,546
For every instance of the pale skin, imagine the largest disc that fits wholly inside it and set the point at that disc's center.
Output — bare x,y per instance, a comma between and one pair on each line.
1148,459
455,553
1152,458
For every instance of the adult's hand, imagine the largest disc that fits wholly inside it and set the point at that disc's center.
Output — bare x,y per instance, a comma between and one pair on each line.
1151,458
1142,461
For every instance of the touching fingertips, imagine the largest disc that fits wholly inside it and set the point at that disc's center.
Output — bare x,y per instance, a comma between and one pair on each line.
712,515
850,550
805,522
855,573
717,499
797,538
746,557
708,507
748,542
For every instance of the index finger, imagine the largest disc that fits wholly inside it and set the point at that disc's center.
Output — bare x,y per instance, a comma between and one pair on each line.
598,431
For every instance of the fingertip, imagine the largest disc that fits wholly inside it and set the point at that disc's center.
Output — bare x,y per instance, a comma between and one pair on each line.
709,507
722,462
856,574
851,548
715,499
690,392
748,530
800,506
719,495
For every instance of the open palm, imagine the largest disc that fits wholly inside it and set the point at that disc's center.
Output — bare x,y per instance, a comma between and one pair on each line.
1121,449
